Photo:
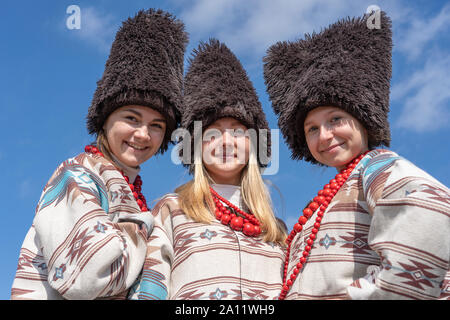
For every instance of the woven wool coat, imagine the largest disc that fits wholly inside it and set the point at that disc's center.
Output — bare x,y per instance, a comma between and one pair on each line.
385,235
88,239
190,260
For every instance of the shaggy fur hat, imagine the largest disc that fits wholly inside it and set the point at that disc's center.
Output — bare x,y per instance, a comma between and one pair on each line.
145,67
217,86
346,65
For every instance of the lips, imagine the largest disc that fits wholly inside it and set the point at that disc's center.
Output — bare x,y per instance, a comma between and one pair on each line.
135,146
332,147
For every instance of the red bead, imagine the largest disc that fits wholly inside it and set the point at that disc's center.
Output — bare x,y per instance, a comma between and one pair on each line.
289,282
248,229
218,213
314,230
317,225
327,186
144,208
298,227
293,276
256,230
302,220
313,206
299,266
327,192
307,212
126,179
131,187
302,260
334,185
305,254
312,236
136,196
319,199
285,288
225,218
296,271
236,223
310,242
308,248
140,203
318,219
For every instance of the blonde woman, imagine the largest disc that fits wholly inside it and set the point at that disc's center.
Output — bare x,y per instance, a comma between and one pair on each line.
217,236
89,235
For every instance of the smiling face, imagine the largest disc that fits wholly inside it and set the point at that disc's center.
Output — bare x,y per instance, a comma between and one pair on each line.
225,150
134,133
334,137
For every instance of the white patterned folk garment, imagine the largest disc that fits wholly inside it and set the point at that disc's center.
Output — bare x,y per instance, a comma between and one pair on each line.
385,235
88,239
191,260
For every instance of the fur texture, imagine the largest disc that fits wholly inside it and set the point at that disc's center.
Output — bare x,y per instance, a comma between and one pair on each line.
346,65
145,67
217,86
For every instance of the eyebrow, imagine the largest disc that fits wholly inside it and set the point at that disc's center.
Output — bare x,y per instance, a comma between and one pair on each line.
328,112
140,115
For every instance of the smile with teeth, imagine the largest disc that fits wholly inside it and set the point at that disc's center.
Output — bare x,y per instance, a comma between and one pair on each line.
134,146
332,147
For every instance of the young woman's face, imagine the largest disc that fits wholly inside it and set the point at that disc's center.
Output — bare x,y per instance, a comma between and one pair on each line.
134,133
334,137
225,150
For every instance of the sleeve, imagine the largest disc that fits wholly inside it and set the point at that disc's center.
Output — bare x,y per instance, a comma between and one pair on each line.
88,256
154,282
409,231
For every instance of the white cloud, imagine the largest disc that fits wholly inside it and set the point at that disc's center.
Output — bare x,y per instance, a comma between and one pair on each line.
419,32
425,96
250,27
96,28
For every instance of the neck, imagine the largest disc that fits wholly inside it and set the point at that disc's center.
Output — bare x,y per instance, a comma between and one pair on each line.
130,172
235,181
339,168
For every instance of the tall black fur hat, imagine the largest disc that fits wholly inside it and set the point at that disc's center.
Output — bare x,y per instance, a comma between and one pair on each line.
217,86
145,67
347,65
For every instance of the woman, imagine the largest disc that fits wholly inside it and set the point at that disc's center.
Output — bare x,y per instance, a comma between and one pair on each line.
217,237
88,238
380,228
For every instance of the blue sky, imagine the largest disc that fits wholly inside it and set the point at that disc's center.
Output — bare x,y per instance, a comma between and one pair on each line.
49,75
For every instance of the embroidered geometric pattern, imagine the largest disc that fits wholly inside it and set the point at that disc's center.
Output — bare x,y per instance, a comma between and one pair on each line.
208,261
90,246
389,215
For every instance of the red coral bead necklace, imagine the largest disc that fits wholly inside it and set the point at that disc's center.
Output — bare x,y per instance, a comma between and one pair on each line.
320,203
237,219
135,187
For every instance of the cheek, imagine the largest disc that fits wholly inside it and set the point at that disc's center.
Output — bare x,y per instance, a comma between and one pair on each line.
311,143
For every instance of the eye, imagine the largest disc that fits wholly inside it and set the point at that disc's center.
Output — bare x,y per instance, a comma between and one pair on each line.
157,125
311,129
131,118
336,119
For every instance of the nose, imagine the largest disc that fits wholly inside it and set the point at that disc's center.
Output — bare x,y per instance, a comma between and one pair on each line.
325,133
142,133
227,138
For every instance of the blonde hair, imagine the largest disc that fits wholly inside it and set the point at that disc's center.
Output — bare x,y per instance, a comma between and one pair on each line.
197,202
